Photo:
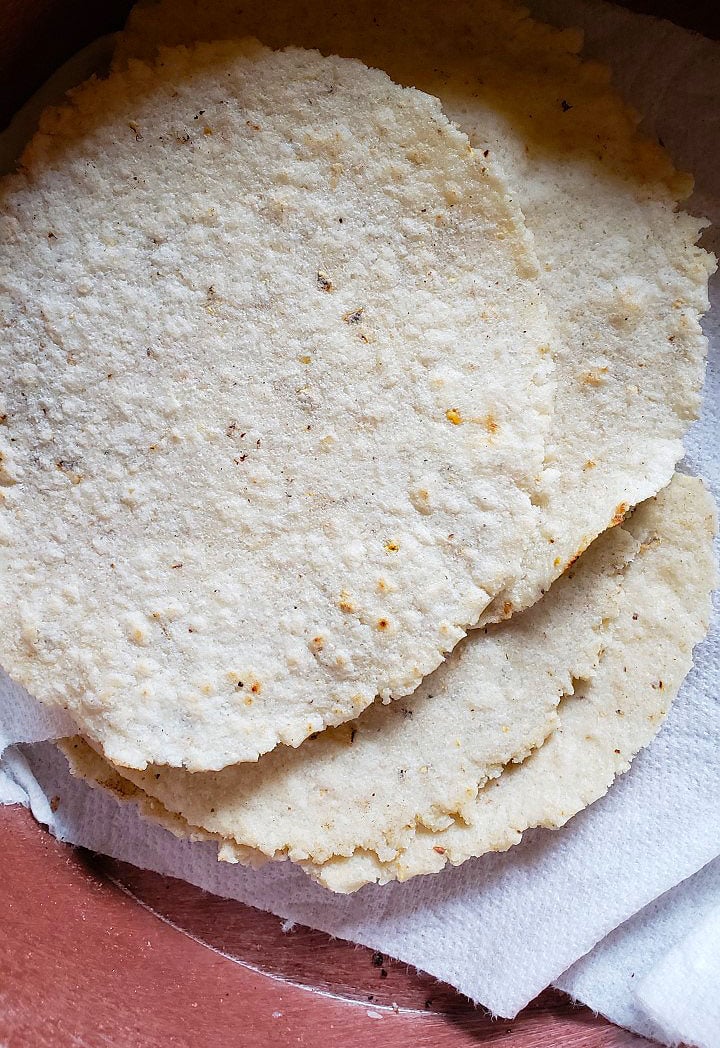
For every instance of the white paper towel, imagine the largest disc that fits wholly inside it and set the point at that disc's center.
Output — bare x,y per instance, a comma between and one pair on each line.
501,928
658,973
681,993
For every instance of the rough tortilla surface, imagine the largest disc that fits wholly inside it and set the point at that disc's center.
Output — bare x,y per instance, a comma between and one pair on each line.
666,605
660,612
371,784
623,276
275,380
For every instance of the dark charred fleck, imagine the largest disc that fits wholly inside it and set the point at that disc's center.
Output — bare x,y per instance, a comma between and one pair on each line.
354,316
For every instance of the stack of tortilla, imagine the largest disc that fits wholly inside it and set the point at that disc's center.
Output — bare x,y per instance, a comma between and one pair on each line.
346,358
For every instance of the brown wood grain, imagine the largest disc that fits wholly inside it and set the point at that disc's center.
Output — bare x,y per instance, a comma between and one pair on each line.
83,963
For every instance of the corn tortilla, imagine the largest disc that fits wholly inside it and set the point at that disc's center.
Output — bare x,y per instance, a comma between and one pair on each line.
276,378
622,273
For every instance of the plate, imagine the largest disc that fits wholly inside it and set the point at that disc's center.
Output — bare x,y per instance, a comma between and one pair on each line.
95,953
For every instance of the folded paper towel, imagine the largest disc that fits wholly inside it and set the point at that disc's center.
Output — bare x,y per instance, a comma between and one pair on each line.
503,927
657,974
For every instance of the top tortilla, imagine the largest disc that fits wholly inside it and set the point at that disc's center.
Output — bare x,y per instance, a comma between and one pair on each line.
624,280
275,380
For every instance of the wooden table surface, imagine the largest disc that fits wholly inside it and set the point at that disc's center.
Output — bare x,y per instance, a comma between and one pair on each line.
97,953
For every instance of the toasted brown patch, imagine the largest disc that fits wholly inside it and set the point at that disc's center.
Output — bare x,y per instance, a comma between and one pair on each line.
619,516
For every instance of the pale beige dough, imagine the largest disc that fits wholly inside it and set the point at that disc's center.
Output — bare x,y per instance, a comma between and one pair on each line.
372,783
276,378
664,611
623,277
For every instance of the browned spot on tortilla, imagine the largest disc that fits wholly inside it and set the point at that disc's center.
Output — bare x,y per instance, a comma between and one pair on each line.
596,377
619,516
68,468
575,556
353,316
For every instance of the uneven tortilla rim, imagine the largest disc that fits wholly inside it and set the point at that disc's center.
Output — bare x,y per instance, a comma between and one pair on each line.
437,656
